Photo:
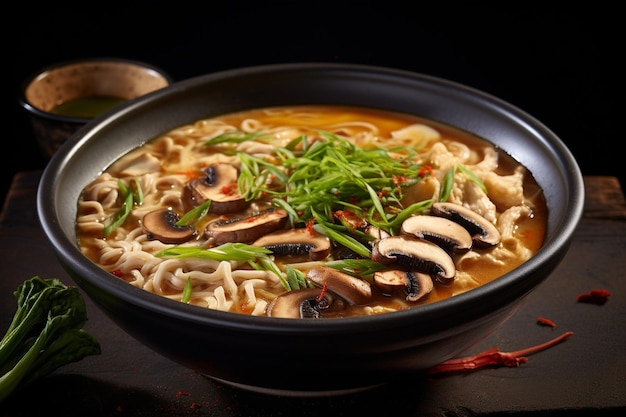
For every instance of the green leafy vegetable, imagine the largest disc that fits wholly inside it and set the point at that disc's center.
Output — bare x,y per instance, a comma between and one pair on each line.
45,333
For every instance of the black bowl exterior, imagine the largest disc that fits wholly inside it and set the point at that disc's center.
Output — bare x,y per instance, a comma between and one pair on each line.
321,355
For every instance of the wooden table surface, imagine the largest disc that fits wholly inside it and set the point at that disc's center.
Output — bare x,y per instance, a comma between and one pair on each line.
581,376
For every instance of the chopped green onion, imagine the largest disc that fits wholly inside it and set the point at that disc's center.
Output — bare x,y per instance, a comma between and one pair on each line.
256,256
446,186
235,136
472,177
356,267
343,239
195,215
187,291
296,278
137,192
448,181
119,217
226,252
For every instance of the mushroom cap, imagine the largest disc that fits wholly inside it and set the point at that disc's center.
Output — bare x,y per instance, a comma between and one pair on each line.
161,225
415,255
246,229
442,231
483,232
296,242
416,284
352,289
297,304
219,185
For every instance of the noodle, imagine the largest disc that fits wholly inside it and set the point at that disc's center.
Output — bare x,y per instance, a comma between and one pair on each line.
498,189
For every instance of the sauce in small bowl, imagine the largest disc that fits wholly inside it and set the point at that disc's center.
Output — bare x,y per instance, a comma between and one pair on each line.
87,107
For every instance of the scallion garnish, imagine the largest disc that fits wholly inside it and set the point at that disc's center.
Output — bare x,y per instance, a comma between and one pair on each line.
195,215
226,252
130,196
296,278
257,257
356,267
187,291
448,181
234,136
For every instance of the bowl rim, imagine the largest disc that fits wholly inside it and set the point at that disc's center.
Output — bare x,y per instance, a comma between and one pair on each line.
87,273
35,111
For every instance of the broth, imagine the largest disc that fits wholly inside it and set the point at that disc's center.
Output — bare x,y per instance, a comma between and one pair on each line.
418,161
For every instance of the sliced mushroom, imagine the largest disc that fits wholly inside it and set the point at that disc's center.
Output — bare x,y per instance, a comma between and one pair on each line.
352,289
161,225
303,303
442,231
219,185
484,233
296,242
415,255
246,229
416,284
375,232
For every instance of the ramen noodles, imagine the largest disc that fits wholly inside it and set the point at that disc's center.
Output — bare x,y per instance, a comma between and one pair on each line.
311,212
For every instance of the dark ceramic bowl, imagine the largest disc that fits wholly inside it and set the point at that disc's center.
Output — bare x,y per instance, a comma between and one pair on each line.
304,357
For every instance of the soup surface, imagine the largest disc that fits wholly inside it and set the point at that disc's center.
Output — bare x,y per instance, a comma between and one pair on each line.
311,211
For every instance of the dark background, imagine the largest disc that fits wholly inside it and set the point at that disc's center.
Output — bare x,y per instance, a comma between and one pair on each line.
561,65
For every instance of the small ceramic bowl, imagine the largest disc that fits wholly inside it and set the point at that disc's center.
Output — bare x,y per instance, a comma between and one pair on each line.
63,97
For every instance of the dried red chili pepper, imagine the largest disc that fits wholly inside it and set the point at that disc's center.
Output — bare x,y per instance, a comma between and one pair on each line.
597,297
494,357
545,322
322,293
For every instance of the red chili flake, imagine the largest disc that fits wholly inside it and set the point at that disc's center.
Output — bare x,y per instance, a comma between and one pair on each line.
229,189
399,179
494,357
545,322
252,219
118,273
425,170
182,394
349,218
353,200
597,297
309,226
